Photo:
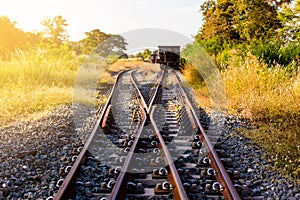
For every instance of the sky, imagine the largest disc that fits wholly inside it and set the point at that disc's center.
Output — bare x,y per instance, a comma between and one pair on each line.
110,16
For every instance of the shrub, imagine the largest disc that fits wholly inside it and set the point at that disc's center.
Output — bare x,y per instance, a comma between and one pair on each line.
274,53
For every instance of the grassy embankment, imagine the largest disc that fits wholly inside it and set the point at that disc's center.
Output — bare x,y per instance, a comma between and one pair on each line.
33,83
270,98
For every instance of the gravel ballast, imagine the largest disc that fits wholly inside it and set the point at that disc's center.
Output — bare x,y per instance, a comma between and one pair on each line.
258,179
34,156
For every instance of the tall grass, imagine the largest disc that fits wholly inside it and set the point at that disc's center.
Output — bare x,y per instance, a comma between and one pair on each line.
35,81
270,98
258,92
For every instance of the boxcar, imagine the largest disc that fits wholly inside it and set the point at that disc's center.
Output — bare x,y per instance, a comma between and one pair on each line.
167,55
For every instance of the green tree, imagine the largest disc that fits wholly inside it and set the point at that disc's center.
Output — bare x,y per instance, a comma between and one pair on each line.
92,40
114,45
290,20
139,55
146,54
236,21
55,30
256,20
218,21
278,3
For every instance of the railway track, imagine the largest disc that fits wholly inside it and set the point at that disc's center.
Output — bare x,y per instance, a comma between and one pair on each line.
148,143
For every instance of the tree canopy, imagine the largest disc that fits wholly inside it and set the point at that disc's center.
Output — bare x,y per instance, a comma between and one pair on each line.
12,38
113,45
55,30
268,29
92,40
289,17
238,20
54,36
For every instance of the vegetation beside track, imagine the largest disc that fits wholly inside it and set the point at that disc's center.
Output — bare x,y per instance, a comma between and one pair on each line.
38,70
259,62
269,98
34,82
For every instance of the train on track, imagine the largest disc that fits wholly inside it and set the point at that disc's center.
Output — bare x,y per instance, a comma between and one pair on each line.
167,55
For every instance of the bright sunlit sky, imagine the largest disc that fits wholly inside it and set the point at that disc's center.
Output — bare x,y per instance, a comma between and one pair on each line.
110,16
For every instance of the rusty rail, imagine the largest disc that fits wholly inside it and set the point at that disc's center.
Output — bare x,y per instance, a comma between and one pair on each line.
67,188
179,191
156,90
118,191
229,191
158,83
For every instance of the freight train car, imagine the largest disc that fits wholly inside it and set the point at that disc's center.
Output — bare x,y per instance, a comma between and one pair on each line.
167,55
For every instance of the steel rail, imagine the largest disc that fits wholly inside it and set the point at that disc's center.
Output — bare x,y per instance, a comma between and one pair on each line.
133,82
158,83
156,90
229,191
178,191
118,191
66,190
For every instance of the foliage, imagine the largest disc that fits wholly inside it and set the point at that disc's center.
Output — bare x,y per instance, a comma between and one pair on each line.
113,45
268,29
182,63
41,71
92,40
271,98
256,20
237,21
218,21
139,55
278,3
290,20
55,30
273,53
211,45
256,44
12,38
146,54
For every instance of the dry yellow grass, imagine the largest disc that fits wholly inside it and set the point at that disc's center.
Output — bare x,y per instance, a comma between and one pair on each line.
35,82
200,90
270,98
125,64
256,91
